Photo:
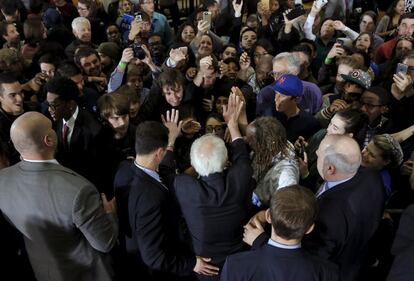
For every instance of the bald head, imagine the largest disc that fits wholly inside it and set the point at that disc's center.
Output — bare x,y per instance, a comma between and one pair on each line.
339,157
31,134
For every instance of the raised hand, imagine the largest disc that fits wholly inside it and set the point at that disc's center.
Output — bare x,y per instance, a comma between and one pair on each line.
231,113
237,8
127,55
174,126
177,55
244,61
336,51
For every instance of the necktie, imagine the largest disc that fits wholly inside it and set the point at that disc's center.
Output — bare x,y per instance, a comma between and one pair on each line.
65,134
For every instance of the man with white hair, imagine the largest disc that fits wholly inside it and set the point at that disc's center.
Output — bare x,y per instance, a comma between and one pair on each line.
216,204
350,201
81,29
288,63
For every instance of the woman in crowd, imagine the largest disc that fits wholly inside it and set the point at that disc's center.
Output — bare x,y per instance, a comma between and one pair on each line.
382,153
387,27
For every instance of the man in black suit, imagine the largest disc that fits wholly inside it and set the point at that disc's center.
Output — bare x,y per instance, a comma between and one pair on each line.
403,248
350,202
153,213
78,131
292,212
216,204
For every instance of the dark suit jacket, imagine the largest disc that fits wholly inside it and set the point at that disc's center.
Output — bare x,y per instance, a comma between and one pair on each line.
348,217
273,263
403,248
82,154
154,222
216,207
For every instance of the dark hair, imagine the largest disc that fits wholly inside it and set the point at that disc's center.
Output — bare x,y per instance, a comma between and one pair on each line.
269,140
245,30
371,14
293,211
49,59
3,27
91,5
406,16
390,11
232,60
9,7
381,93
180,30
150,135
113,103
371,38
83,52
265,44
216,116
65,88
130,93
229,45
209,3
354,120
171,77
6,78
144,16
303,48
33,31
308,42
68,70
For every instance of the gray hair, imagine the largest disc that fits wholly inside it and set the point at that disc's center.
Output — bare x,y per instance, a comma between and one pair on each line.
208,155
292,62
77,22
343,163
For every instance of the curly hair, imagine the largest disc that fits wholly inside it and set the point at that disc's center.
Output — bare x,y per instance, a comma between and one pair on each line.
269,140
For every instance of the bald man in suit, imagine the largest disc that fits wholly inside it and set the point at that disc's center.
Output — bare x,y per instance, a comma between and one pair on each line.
66,228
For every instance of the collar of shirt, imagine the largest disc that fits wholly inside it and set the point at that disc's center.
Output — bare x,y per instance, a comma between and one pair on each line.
332,184
42,161
149,172
283,246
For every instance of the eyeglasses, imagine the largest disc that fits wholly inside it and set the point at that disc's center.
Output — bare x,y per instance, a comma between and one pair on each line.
369,105
53,106
215,129
275,74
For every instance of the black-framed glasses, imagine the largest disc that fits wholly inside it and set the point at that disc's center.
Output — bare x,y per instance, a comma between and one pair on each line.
53,106
275,74
215,128
369,105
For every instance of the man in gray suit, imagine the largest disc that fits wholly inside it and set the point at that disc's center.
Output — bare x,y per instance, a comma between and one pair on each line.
66,228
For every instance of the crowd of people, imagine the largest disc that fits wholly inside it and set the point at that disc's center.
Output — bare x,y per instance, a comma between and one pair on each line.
244,140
